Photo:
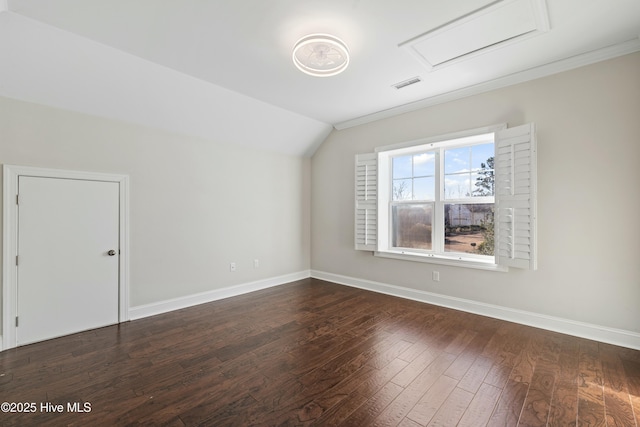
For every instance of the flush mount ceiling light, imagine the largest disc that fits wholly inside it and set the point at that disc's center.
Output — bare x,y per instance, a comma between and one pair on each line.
321,55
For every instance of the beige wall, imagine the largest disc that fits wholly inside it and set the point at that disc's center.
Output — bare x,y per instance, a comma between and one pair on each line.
588,123
196,205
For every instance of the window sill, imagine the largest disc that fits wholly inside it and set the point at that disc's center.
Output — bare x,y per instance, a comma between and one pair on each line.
443,260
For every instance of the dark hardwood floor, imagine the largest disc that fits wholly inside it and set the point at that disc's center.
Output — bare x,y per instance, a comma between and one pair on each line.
317,353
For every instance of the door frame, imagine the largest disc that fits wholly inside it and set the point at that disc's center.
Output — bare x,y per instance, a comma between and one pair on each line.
11,173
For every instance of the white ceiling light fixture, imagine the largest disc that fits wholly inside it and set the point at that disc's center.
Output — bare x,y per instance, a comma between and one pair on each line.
321,55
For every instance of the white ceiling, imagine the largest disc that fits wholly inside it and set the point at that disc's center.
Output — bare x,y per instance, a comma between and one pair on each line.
222,69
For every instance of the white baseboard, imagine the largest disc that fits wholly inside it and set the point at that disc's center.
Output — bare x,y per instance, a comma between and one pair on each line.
152,309
580,329
605,334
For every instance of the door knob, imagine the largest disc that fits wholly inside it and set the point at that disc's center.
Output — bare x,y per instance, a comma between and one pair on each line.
111,252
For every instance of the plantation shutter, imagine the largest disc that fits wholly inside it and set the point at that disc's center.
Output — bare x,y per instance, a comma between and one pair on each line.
515,171
366,212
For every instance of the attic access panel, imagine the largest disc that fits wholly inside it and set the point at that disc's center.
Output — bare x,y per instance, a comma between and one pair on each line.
493,26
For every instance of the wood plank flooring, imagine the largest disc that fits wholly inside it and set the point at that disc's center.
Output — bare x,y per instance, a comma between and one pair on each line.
317,353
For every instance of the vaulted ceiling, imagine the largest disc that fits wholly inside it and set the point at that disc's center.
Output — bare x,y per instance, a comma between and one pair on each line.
222,69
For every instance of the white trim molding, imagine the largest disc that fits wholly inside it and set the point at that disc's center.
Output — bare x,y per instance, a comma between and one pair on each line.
10,239
590,331
152,309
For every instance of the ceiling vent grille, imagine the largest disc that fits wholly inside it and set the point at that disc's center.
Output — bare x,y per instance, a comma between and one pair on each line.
494,26
406,83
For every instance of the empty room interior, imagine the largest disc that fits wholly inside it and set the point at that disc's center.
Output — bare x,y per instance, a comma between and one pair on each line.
320,212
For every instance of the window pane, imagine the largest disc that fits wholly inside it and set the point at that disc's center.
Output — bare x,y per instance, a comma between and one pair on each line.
402,167
457,160
457,186
482,154
469,228
482,183
424,188
411,226
402,189
483,177
424,164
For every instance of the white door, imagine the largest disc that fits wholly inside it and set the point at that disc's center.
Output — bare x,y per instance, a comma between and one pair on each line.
67,278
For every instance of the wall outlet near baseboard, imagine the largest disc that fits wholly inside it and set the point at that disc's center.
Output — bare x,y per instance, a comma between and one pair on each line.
435,276
232,266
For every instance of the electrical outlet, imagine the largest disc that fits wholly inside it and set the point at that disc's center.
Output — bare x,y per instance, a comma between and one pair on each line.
435,276
232,266
256,263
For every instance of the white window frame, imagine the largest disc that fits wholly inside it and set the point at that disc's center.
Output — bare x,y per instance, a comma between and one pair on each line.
437,145
514,203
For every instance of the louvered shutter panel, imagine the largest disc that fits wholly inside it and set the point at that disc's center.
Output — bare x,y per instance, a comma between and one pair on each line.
515,171
366,212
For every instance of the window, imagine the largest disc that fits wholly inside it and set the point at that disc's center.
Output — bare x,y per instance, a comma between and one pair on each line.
452,199
440,198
